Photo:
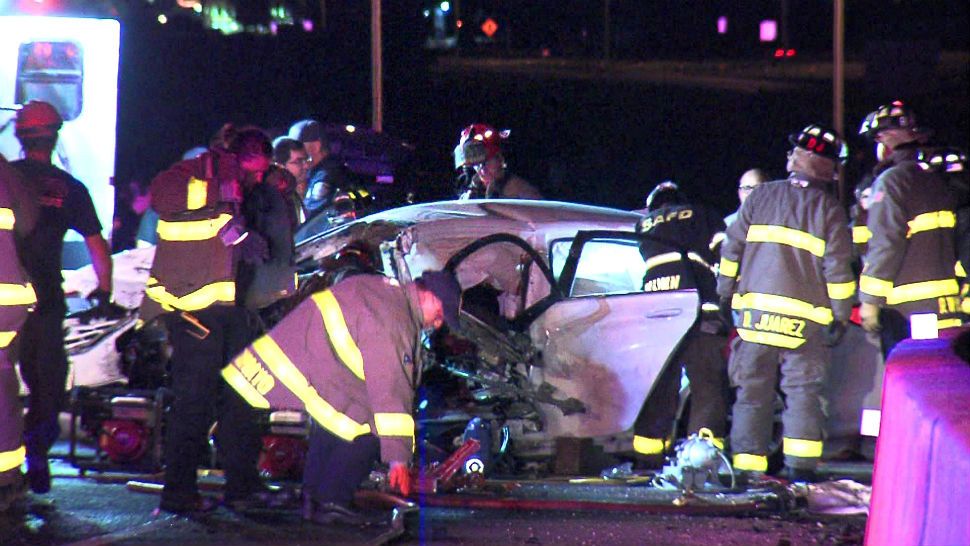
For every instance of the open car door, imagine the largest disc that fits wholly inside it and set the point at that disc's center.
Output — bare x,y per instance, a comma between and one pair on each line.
603,340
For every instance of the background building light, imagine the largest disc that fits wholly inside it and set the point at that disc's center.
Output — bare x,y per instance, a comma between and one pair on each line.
722,25
768,30
162,19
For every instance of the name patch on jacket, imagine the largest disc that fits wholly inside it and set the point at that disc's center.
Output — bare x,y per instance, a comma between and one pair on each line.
670,282
254,372
769,322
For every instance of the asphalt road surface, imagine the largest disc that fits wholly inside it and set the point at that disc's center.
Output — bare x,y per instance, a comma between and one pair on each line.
101,510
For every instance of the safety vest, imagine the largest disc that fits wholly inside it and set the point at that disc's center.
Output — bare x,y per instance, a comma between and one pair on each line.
786,263
193,268
345,356
909,264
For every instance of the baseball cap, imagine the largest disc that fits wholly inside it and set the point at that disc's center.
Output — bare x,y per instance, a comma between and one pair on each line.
445,287
306,130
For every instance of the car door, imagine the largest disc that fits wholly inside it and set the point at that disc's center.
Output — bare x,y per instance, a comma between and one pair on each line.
603,340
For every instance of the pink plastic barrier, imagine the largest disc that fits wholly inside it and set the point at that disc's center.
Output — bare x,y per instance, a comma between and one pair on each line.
921,480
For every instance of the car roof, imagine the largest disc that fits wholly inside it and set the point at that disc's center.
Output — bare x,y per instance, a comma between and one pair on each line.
456,223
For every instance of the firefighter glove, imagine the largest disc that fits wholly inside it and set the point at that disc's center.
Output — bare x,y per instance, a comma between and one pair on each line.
253,249
727,314
100,299
833,333
399,478
869,313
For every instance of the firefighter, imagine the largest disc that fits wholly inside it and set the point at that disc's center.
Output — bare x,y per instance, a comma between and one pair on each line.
675,247
484,172
951,164
18,215
786,269
349,357
64,203
193,290
908,266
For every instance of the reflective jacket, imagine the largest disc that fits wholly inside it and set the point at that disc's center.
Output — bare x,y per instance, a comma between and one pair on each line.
17,212
909,264
347,357
787,263
193,268
691,227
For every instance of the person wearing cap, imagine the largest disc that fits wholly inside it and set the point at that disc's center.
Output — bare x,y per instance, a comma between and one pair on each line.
908,267
326,174
349,357
786,271
64,204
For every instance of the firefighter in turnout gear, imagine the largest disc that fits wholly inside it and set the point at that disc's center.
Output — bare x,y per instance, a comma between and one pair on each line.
349,357
675,247
18,214
909,264
786,270
203,241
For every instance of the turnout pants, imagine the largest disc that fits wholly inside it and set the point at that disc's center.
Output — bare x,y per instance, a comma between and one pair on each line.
201,396
756,370
701,357
335,467
11,422
43,366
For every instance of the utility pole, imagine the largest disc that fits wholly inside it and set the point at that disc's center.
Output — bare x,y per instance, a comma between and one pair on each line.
838,80
377,77
606,30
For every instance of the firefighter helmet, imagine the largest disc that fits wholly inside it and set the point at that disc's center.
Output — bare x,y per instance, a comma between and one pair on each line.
487,135
38,119
895,115
666,193
821,141
942,159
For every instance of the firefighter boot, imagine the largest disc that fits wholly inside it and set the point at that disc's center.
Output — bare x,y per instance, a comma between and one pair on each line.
12,488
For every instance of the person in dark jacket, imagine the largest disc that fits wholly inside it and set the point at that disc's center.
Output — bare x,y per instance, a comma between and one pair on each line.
675,247
909,264
485,173
786,270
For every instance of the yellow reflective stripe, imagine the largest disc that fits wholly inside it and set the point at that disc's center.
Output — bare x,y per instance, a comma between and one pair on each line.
224,291
786,236
922,290
6,338
710,307
717,239
930,221
861,235
7,218
340,338
294,380
238,382
10,460
394,424
728,268
875,287
841,290
718,442
949,323
959,271
197,194
648,446
193,230
770,338
670,257
965,306
802,448
17,294
746,461
782,304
